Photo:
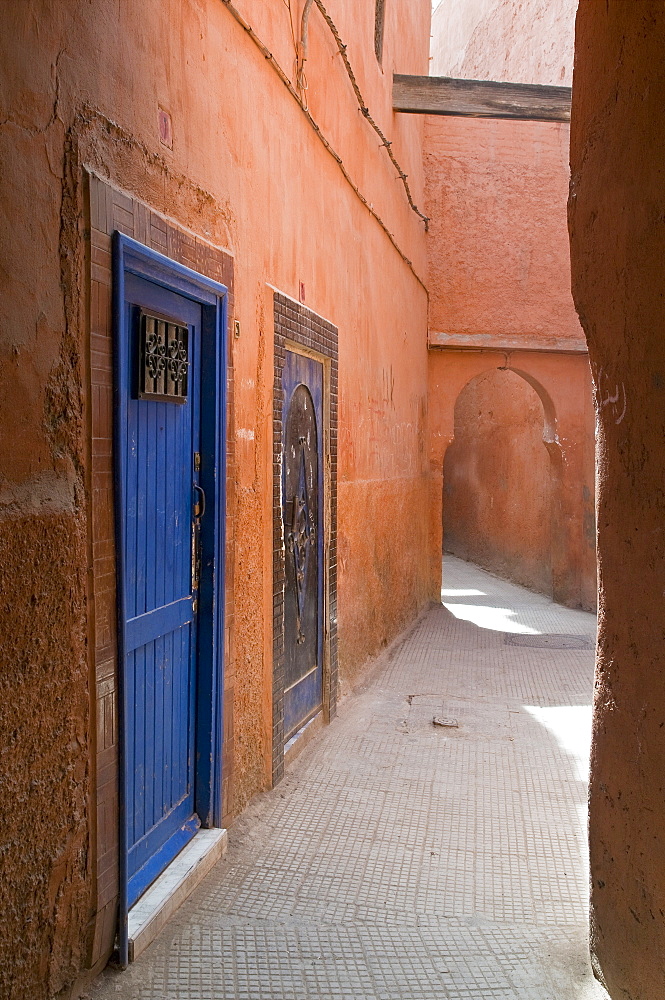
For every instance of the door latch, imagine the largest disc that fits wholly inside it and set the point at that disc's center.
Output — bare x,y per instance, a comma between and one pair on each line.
200,505
199,511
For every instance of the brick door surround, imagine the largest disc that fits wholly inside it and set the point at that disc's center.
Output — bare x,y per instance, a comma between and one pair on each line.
300,329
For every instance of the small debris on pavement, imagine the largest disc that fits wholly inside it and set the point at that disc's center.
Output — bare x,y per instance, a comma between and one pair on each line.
438,720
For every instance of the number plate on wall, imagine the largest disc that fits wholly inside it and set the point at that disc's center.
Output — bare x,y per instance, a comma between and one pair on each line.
163,360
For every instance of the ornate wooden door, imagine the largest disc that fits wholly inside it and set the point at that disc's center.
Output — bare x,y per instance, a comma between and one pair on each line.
302,509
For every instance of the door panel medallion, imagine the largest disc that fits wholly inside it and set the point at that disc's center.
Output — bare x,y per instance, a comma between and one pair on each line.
301,538
301,486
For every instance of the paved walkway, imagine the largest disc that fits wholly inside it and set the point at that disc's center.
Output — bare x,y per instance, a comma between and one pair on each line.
403,859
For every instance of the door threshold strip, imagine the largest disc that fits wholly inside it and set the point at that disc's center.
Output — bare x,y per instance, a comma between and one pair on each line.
171,889
299,740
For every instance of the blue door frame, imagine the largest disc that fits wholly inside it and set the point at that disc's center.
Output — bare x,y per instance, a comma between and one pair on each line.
132,258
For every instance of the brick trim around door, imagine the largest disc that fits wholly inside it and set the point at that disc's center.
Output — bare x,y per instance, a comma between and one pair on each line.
109,210
298,328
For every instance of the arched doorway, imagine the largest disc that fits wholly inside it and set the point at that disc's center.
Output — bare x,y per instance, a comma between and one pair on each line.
497,480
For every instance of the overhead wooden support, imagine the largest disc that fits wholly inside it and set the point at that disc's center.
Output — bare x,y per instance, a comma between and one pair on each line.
442,95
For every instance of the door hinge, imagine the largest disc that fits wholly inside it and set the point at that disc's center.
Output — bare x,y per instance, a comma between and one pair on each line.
197,461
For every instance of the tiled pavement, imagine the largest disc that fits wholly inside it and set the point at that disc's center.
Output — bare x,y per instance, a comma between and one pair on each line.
399,859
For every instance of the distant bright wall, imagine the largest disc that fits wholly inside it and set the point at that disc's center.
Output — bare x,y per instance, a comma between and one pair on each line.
530,41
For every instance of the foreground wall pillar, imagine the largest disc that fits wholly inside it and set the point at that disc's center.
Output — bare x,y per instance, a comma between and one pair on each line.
617,227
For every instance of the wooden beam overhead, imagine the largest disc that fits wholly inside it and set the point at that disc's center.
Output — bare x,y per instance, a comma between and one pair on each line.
442,95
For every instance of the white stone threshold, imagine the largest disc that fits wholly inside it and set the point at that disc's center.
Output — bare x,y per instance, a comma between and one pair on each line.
171,889
299,740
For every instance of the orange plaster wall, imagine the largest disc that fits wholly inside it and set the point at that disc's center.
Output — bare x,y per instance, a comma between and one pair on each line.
499,261
497,504
81,87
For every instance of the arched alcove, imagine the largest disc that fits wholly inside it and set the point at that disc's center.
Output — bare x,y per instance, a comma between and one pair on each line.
497,480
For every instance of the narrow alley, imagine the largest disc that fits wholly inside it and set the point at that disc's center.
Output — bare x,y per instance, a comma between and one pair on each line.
400,858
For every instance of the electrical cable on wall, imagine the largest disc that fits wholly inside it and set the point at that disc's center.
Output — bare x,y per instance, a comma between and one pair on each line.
298,62
385,142
267,54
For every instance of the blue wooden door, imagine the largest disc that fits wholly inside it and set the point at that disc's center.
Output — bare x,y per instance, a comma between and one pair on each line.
163,509
302,511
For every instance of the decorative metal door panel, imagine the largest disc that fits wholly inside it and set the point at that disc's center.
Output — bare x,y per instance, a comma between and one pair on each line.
302,509
160,577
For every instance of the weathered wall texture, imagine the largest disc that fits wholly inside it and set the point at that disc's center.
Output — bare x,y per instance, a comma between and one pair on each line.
82,85
497,506
45,727
617,213
44,733
499,261
521,41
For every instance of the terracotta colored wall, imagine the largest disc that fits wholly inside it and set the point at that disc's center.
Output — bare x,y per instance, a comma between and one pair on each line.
526,42
44,733
617,207
82,85
497,505
499,261
45,726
